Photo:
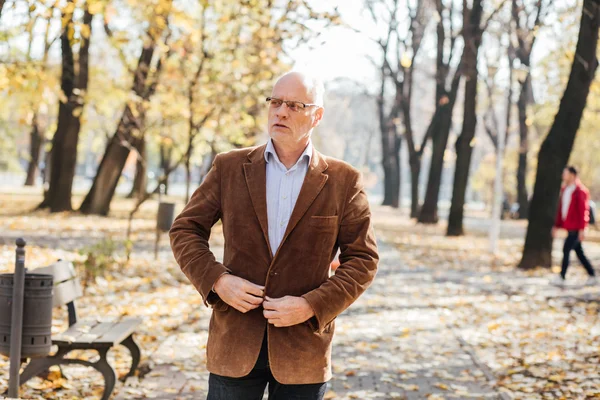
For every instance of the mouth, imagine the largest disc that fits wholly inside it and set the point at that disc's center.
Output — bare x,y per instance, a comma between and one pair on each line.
280,126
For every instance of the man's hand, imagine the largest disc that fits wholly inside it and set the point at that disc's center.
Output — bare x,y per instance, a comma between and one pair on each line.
287,311
581,235
239,293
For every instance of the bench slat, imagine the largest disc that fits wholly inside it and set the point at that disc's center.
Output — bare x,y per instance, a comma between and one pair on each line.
96,332
74,332
66,284
119,332
66,292
61,271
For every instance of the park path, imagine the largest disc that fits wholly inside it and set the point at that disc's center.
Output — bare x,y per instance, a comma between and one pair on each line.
443,318
393,343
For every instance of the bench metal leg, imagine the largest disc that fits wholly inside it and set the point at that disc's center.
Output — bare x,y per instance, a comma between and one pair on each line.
135,352
38,365
107,371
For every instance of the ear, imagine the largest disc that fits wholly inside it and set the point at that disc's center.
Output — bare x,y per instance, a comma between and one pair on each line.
318,117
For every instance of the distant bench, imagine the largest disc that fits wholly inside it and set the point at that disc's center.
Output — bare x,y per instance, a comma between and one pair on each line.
83,335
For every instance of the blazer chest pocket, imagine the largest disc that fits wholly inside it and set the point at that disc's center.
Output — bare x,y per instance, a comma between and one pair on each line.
324,222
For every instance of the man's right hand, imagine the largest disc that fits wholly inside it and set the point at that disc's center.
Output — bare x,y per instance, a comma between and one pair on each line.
239,293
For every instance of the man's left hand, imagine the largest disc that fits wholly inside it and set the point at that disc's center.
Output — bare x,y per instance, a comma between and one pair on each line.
581,235
286,311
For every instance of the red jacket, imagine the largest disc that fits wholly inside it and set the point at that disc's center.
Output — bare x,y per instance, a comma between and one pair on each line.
578,215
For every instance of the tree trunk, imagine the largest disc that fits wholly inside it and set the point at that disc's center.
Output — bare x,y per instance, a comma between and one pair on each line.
386,163
64,142
188,155
440,124
415,172
188,179
439,139
522,196
98,199
140,181
464,149
105,182
1,6
46,171
391,168
166,156
35,145
396,177
556,148
207,164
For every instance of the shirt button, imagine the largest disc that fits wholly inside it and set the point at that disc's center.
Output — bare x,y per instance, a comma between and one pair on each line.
284,197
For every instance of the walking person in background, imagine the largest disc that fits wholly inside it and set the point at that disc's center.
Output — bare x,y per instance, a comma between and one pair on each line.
573,216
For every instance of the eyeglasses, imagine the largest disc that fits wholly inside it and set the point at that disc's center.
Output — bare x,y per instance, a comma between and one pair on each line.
291,104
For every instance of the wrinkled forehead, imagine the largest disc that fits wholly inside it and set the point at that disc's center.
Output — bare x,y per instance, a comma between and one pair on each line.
293,87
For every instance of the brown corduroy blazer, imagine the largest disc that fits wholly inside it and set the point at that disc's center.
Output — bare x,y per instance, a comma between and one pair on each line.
331,212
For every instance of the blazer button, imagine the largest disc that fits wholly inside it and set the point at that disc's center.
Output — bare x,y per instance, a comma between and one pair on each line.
273,273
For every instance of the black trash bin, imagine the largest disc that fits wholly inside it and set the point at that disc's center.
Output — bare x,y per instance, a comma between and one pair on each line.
165,216
37,314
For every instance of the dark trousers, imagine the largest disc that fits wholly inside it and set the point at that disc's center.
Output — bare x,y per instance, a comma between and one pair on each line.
572,243
252,386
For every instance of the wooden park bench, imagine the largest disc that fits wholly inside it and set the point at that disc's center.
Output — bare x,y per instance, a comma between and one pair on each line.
83,335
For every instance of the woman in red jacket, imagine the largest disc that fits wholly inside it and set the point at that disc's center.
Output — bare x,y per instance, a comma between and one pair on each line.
573,216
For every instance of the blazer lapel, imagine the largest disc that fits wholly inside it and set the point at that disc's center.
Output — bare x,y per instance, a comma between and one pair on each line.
256,180
313,184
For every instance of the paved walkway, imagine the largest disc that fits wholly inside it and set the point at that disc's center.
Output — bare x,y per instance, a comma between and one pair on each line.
408,337
393,343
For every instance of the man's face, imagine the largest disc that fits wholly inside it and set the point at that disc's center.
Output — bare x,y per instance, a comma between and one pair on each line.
288,127
567,177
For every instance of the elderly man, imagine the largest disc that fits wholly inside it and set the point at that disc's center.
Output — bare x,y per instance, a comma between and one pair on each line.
286,210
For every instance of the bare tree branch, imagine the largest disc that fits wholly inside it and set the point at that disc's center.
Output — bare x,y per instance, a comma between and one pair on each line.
492,15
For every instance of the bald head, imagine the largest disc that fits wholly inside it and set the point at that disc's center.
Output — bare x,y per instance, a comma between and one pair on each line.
311,86
290,126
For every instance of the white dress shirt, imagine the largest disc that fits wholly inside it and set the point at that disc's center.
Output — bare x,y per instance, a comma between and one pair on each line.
566,200
283,188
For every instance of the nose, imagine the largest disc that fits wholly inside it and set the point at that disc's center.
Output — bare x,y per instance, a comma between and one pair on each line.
282,111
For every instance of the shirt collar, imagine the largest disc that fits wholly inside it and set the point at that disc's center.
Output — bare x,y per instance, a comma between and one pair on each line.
306,154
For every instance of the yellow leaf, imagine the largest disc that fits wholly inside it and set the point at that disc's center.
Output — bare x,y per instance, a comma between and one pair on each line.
405,60
85,31
556,378
493,326
54,375
95,8
330,395
70,32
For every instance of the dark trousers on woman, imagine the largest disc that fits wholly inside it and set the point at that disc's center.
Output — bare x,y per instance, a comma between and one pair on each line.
252,386
572,242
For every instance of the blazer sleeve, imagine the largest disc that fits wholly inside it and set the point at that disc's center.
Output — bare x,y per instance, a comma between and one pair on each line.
190,233
358,260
